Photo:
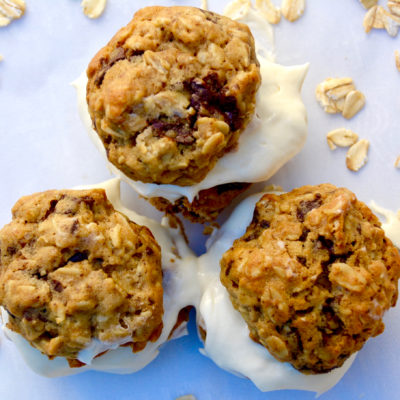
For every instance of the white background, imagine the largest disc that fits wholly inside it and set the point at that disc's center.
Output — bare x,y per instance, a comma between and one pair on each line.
43,145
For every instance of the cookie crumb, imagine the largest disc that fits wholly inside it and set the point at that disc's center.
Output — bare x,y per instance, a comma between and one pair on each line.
1,57
341,137
10,10
93,8
397,162
397,59
356,156
186,397
369,3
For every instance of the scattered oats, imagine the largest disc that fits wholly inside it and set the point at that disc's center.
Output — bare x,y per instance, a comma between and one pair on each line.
378,18
391,23
237,9
394,7
369,3
292,10
271,13
186,397
397,162
204,4
356,156
397,59
93,8
10,10
374,18
341,137
332,92
354,102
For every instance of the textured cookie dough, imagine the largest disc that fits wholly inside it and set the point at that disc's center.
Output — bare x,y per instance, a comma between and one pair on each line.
206,206
312,276
72,270
171,92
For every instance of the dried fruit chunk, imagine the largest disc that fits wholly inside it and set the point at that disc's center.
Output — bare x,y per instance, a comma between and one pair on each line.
397,59
292,10
374,18
369,3
341,137
356,156
271,13
93,8
331,93
354,102
10,10
394,7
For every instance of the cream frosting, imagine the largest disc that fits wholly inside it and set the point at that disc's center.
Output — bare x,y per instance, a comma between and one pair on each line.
180,290
391,226
276,133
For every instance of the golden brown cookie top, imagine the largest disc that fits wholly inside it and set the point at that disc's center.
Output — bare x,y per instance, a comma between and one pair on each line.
73,269
172,91
312,276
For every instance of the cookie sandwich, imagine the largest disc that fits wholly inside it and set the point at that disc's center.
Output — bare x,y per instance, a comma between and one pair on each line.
87,284
298,281
188,112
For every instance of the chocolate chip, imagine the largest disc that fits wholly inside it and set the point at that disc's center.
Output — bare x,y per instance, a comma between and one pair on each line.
11,250
306,206
53,204
234,186
56,285
117,55
74,227
149,251
77,257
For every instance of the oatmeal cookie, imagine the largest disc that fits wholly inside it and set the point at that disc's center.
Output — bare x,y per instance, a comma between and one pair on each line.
171,92
72,269
312,276
206,206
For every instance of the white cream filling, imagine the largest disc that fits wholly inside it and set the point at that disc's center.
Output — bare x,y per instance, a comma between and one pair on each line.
392,224
276,133
180,290
228,343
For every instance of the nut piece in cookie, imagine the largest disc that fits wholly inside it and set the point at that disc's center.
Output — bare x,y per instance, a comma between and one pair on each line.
312,276
74,270
171,92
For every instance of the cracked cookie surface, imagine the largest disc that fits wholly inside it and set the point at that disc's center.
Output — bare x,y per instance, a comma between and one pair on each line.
72,269
312,276
171,92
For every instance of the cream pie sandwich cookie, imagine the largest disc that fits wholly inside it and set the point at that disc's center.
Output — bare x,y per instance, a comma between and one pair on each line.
187,111
88,284
298,282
